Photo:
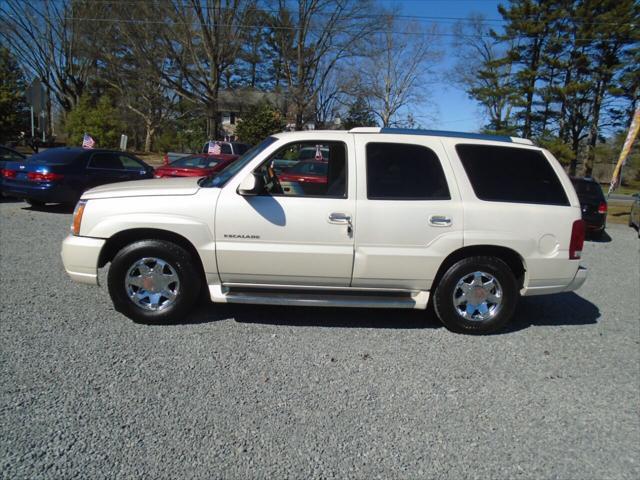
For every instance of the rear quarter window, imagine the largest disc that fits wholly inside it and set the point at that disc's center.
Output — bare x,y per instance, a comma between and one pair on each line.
506,174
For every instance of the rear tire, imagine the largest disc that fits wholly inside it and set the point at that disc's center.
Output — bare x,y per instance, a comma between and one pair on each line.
154,282
476,295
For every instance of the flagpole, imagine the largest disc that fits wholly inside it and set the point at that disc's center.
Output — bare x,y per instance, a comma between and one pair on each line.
626,148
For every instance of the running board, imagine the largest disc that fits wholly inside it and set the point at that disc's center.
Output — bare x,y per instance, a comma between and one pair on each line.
320,298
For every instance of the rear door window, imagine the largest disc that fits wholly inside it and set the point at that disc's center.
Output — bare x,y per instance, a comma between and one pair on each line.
131,163
397,171
516,175
106,161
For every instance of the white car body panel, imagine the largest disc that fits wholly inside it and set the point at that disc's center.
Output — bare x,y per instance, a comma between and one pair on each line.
396,247
288,242
297,245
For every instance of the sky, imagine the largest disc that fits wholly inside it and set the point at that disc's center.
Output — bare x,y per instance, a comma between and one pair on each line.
449,107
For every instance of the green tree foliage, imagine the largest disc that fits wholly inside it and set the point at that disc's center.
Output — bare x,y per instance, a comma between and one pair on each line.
359,115
14,116
259,122
100,120
572,72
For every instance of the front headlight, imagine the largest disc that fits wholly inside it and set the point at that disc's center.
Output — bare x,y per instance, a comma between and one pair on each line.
77,217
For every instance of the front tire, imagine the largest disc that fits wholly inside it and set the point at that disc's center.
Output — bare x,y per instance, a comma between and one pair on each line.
476,295
154,282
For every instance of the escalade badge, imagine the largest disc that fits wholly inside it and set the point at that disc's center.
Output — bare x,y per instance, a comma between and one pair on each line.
237,235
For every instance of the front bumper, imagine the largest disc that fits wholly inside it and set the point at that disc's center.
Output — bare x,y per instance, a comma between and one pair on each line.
578,280
80,258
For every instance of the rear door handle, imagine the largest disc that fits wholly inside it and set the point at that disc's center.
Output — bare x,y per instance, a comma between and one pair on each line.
440,221
340,218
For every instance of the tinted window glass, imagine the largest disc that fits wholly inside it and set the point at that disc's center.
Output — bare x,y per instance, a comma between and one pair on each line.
240,148
504,174
225,148
588,189
130,163
191,161
105,161
10,155
398,171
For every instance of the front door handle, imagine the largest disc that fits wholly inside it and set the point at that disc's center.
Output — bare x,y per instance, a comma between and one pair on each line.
440,221
340,218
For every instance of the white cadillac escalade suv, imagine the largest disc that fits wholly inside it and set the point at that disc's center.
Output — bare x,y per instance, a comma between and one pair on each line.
376,218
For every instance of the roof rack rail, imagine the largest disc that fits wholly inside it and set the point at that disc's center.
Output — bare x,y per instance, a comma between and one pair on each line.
446,133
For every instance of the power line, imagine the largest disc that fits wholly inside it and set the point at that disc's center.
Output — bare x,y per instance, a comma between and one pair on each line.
297,28
362,16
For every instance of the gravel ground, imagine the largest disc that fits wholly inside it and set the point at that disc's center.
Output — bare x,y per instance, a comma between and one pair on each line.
256,392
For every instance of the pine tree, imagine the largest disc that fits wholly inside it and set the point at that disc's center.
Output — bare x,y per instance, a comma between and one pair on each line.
14,116
358,115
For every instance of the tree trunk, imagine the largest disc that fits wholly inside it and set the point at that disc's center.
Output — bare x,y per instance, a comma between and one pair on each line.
149,131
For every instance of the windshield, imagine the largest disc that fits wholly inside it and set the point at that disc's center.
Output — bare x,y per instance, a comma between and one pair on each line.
195,161
311,168
227,173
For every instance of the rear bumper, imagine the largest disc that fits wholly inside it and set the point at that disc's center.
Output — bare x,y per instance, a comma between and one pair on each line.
595,223
557,286
42,192
578,280
80,258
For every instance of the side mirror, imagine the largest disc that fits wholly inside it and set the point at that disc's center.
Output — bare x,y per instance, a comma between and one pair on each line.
253,184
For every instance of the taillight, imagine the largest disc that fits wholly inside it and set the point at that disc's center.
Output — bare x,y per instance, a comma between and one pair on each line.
577,240
602,208
44,177
9,173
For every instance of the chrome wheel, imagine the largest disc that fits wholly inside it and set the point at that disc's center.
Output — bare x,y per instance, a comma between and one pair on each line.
152,284
477,297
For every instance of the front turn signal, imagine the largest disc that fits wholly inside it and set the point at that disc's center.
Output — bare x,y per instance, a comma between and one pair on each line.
77,217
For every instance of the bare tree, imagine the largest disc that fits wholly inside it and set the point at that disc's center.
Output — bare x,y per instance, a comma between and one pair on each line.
311,40
482,71
139,82
199,40
51,41
395,73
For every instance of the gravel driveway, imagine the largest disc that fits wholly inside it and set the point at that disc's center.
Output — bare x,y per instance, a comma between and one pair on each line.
257,392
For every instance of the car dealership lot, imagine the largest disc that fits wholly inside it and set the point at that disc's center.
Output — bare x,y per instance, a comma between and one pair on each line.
272,392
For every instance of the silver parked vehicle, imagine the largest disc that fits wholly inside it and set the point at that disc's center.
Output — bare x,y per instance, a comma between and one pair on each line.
634,216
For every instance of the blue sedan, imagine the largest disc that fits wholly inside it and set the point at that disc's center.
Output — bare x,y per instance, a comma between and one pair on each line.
61,175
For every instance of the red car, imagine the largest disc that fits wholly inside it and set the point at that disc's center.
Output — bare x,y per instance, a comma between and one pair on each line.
309,175
199,165
307,171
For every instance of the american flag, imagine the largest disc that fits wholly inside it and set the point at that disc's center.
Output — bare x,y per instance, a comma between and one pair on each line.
214,148
88,142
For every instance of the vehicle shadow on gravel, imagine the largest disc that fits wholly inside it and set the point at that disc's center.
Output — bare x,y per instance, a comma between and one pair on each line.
599,238
53,208
314,316
4,199
553,311
549,310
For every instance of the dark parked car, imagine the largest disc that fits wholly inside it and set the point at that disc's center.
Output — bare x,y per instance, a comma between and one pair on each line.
8,155
60,175
593,204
